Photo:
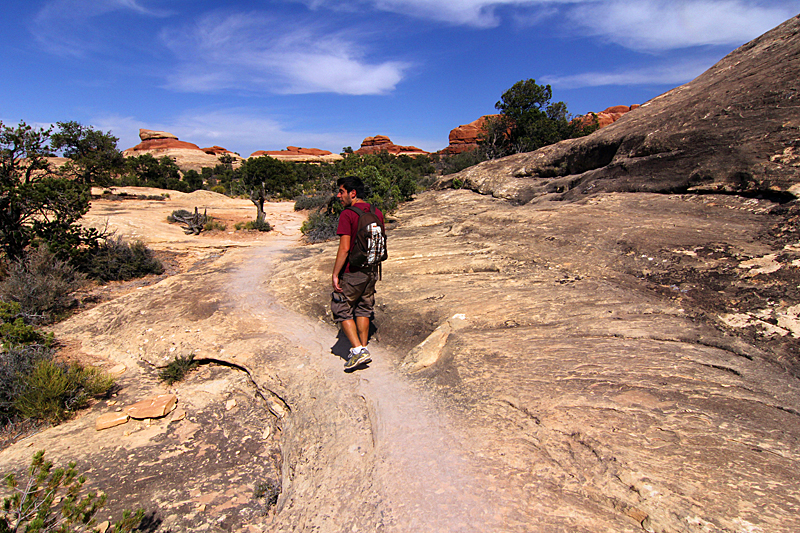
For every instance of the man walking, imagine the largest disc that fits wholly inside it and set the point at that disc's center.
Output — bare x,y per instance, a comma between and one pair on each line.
353,287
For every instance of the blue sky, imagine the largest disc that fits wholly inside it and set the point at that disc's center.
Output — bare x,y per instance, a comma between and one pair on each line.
263,75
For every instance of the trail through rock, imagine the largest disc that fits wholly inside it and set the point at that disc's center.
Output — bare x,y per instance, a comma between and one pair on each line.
414,471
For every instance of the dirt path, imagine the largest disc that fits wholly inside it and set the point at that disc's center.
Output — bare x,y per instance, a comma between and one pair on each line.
367,450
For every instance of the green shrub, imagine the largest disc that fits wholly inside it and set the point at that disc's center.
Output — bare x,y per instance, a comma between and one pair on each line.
14,331
316,201
41,284
16,362
218,189
253,225
214,224
177,369
116,260
320,226
52,390
52,500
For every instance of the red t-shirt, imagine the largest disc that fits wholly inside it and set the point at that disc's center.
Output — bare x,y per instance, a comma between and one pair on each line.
348,224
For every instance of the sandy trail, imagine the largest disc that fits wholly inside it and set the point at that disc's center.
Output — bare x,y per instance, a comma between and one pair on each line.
417,472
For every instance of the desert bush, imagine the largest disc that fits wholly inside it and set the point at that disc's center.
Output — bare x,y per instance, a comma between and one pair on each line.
52,390
316,201
53,500
41,284
17,361
178,214
116,260
253,225
320,226
13,329
177,369
214,224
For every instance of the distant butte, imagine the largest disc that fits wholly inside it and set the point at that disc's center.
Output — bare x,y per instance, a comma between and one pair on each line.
382,143
297,154
188,156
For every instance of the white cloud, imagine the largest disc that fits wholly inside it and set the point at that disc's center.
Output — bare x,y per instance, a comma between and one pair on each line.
670,74
254,53
652,25
635,24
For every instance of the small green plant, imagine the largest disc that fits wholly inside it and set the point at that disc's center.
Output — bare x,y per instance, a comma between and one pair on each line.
253,225
214,224
270,491
220,189
177,369
52,500
53,390
13,329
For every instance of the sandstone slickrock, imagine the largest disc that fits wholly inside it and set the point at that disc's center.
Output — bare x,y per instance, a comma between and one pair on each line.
726,132
154,407
382,143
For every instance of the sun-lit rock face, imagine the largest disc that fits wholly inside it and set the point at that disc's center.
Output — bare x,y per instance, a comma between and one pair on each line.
607,116
465,137
297,154
382,143
188,156
733,130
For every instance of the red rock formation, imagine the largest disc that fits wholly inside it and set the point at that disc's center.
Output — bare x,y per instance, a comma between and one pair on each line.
382,143
465,137
292,150
217,150
606,117
187,155
295,153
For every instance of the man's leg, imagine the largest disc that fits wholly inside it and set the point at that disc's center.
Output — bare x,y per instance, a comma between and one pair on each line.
351,332
362,325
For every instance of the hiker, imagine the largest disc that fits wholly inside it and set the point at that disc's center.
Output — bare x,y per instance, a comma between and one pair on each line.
356,270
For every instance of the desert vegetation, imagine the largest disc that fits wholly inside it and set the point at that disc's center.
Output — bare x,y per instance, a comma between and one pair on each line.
48,499
45,257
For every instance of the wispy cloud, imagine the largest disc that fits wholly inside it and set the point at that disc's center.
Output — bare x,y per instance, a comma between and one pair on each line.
255,53
635,24
69,27
670,74
653,25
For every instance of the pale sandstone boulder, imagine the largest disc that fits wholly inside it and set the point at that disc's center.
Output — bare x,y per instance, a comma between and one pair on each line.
154,407
110,420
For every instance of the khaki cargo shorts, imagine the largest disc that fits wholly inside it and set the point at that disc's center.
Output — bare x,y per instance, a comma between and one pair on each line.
358,298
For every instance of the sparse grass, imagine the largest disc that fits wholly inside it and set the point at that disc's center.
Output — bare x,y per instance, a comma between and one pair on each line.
178,369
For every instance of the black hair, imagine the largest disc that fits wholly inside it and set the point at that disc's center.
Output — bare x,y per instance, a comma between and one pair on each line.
353,182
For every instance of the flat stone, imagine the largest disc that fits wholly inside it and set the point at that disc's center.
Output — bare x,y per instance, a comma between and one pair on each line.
154,407
109,420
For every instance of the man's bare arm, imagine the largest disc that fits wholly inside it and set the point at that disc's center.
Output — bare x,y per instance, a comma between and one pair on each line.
341,258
